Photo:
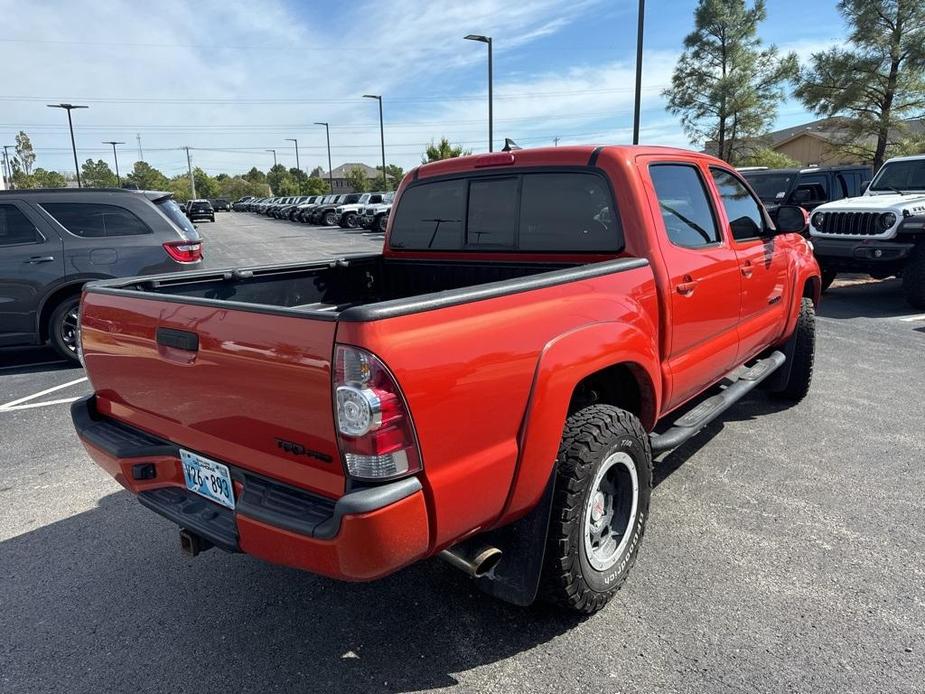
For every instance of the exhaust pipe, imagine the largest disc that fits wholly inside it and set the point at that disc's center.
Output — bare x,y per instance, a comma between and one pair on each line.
477,562
192,544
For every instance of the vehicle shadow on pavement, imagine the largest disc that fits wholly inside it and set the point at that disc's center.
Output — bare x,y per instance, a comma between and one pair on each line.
867,299
31,360
140,615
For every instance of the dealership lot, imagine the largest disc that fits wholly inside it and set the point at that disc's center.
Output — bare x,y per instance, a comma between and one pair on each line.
784,550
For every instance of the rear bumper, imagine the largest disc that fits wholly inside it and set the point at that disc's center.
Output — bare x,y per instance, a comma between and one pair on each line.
364,535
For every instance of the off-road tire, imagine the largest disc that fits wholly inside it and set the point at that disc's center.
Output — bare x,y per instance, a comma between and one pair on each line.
380,224
329,219
804,354
828,276
914,277
350,221
592,436
58,325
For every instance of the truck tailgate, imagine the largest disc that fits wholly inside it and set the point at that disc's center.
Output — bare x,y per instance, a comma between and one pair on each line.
254,392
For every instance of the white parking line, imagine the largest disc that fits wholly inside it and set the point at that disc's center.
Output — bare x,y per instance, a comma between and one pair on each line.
910,319
18,404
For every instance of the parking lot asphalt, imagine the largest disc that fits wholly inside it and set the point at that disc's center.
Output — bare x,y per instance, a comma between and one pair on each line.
784,552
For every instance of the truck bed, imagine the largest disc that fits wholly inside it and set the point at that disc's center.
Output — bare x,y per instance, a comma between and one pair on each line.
342,288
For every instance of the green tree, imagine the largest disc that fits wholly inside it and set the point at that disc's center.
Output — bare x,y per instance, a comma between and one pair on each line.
48,179
725,88
317,172
356,179
206,186
876,80
765,156
281,181
180,187
97,174
442,150
298,177
316,186
255,175
24,152
145,177
238,187
395,174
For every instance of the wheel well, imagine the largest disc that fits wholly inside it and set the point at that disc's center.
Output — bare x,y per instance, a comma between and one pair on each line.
813,289
52,302
626,386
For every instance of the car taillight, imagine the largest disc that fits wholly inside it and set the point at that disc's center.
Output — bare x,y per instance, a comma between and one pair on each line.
184,251
374,426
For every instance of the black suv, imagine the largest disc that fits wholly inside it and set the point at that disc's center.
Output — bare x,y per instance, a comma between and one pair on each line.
53,241
200,209
221,204
809,187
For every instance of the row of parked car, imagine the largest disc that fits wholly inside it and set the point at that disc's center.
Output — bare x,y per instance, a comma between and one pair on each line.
348,210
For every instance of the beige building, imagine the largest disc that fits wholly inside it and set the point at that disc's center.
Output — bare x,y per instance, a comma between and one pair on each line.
339,176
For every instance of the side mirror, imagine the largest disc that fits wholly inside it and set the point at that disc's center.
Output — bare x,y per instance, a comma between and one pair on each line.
791,219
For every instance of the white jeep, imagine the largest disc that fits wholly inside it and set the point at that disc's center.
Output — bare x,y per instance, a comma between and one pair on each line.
374,216
881,233
348,216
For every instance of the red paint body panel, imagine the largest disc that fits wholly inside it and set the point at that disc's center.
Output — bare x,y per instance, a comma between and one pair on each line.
488,383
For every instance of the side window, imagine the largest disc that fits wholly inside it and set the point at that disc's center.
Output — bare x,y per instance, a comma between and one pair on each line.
92,220
431,216
492,212
745,216
811,189
685,207
15,227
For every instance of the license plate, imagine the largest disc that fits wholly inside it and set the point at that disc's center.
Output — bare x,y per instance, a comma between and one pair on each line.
207,478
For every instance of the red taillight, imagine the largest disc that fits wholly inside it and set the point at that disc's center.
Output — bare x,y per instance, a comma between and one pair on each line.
374,426
184,251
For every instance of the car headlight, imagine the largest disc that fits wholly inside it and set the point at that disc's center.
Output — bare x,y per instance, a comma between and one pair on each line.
818,220
887,220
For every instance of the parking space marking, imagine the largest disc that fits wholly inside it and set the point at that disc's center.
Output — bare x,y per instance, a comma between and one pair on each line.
24,402
910,319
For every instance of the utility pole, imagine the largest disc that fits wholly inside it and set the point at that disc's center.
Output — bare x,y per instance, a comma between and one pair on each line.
189,166
327,131
639,36
116,157
70,124
486,40
385,179
556,141
141,155
274,156
9,167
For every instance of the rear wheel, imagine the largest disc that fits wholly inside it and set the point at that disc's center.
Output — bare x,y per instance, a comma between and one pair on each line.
380,223
914,277
600,507
62,327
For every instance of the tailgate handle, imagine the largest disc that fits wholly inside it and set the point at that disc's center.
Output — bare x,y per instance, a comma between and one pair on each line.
179,339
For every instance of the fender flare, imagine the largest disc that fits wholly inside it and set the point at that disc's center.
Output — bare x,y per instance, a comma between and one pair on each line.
563,363
69,283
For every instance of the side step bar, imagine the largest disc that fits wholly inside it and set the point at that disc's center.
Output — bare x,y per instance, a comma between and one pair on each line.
711,408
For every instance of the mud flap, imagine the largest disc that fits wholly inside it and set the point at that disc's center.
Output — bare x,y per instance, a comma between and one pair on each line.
516,579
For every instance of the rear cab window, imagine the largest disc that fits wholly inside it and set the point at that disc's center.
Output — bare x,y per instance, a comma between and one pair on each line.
96,220
529,211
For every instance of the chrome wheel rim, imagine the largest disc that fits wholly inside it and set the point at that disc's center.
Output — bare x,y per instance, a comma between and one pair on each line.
70,330
611,510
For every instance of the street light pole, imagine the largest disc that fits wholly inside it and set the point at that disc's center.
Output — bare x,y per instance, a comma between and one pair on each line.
9,167
327,131
297,165
116,157
274,156
385,179
189,167
487,40
639,36
70,124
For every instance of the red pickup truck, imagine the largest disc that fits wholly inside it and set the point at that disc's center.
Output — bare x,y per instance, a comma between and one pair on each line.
491,388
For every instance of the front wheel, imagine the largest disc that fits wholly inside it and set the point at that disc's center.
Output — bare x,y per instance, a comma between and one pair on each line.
381,223
329,219
804,356
62,328
349,221
600,507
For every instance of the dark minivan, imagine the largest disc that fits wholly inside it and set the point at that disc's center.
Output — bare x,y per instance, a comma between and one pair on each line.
54,241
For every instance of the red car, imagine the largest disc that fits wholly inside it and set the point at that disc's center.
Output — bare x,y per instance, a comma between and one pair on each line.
491,388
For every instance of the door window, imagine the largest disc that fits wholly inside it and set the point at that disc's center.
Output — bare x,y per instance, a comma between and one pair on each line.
15,228
811,190
746,218
685,207
92,220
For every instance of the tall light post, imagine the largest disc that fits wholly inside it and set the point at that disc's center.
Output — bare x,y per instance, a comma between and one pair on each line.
116,157
274,156
297,165
639,32
327,132
486,40
385,178
69,108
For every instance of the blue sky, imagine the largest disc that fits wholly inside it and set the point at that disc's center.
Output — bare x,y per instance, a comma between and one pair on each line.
233,79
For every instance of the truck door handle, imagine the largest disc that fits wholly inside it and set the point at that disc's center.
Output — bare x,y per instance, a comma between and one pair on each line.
747,269
36,259
687,286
